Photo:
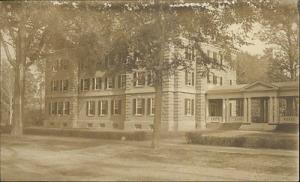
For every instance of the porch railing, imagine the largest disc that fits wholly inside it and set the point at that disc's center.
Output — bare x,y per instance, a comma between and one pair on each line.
214,119
236,119
288,119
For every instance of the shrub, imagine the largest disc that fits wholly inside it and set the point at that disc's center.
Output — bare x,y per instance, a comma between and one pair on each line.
277,142
109,135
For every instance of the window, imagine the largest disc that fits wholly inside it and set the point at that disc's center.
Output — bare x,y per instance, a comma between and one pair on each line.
215,58
189,107
55,85
139,78
150,106
49,108
65,85
208,77
60,108
221,81
230,82
86,84
116,107
221,59
90,108
189,78
149,78
102,107
208,53
215,80
54,108
67,108
289,106
138,106
123,81
109,82
98,83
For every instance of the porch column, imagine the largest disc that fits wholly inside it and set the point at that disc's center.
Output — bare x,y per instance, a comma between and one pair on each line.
206,109
224,110
270,110
249,110
276,110
245,110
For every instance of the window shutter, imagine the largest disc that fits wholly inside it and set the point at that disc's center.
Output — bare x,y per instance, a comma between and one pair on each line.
185,106
49,108
112,108
120,106
143,106
105,85
113,82
149,106
134,106
87,108
134,79
93,83
186,77
119,81
193,78
193,106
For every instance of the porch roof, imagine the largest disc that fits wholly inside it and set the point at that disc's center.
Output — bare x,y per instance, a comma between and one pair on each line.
255,86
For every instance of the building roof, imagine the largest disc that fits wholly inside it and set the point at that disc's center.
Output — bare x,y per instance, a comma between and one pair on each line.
264,85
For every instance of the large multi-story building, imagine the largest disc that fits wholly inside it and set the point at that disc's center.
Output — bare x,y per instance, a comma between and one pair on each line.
78,98
80,95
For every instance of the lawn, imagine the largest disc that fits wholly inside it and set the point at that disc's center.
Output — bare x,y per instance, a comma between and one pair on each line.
65,158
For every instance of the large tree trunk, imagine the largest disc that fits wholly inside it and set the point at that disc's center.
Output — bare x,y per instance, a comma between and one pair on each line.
18,108
157,117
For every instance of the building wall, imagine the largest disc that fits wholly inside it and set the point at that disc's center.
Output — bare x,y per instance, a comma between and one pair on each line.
175,91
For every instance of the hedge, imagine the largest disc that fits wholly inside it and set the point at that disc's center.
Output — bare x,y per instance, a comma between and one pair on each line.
290,143
109,135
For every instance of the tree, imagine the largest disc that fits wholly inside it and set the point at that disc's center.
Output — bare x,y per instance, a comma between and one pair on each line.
280,31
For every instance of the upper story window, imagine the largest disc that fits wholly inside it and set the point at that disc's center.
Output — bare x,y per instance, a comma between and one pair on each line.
122,81
86,84
149,78
189,78
90,108
221,59
189,107
96,83
67,108
208,77
116,106
60,64
109,82
65,85
221,81
215,79
139,78
138,106
102,107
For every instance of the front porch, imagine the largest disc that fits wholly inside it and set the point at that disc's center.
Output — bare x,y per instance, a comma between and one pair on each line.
258,103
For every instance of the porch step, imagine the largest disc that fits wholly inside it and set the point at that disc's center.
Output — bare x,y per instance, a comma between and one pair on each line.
258,127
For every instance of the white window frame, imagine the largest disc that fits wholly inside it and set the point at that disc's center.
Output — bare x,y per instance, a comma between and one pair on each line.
110,80
117,107
89,108
152,106
142,100
189,107
189,78
137,81
101,108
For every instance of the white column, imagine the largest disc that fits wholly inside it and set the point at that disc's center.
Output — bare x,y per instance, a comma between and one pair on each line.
224,110
245,110
276,110
249,110
270,110
206,109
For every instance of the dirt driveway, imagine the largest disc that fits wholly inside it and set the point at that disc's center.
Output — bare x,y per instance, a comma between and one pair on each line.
63,158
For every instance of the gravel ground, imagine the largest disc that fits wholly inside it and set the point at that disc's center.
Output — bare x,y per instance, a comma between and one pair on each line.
30,158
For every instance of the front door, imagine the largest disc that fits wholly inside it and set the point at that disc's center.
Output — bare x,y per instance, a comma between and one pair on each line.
259,110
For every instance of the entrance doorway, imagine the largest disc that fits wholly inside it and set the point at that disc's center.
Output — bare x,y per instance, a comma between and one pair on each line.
259,110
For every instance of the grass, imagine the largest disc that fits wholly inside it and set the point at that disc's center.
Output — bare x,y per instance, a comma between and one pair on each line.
67,158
